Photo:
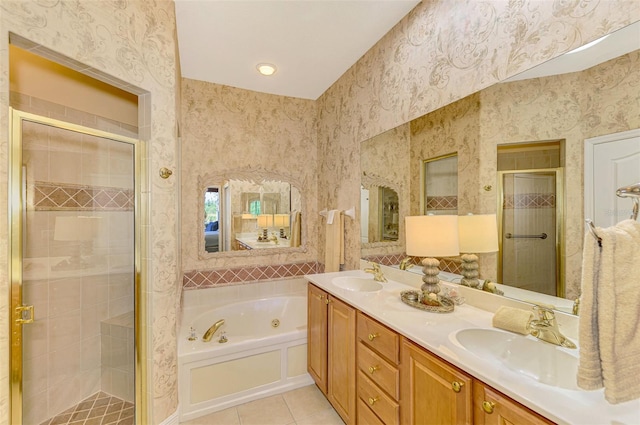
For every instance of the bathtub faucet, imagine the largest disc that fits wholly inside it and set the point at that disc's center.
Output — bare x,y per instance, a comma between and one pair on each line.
212,330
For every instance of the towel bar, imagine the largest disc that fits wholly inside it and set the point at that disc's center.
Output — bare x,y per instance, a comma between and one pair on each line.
633,192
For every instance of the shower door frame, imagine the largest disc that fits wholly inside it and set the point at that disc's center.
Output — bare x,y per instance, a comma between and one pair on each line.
17,208
559,228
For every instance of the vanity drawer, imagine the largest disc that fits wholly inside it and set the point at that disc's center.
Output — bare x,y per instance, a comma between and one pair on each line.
366,416
381,404
379,370
379,337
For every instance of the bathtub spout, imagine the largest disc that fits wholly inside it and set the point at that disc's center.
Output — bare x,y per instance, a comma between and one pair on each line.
212,330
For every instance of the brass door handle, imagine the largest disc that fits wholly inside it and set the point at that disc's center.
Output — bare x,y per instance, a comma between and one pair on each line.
373,336
372,400
373,368
488,406
457,386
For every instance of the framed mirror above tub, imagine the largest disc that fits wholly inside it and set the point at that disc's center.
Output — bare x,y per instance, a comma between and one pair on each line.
556,106
245,216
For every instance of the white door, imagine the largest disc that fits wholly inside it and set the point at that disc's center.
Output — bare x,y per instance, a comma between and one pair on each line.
611,162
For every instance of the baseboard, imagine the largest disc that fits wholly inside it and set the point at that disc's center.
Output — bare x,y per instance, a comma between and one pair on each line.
173,419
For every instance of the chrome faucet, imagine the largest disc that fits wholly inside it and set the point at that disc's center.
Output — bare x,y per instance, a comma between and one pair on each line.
545,327
406,264
212,330
378,276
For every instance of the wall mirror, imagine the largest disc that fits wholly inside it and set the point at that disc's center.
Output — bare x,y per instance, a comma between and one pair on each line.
247,215
544,117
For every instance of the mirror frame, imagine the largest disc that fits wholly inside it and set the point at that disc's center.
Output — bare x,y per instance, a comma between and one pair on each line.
370,180
248,174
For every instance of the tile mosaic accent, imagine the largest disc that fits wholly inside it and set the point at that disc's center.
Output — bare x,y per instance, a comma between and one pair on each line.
451,265
386,259
65,197
196,279
529,200
442,202
98,409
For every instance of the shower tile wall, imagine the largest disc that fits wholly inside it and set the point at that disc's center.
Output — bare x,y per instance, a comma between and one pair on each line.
70,175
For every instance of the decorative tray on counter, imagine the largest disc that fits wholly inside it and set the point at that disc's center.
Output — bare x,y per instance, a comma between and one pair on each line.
414,299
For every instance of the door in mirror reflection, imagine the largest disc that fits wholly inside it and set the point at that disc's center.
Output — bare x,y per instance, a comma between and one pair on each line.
530,224
440,185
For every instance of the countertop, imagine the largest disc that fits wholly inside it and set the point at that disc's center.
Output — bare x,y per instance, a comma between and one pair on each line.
434,332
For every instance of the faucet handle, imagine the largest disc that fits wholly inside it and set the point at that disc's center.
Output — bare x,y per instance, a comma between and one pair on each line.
375,266
544,312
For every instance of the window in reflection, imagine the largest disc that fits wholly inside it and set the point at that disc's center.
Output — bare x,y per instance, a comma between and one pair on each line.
211,219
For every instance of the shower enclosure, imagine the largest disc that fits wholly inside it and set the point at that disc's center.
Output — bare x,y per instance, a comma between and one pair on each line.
75,271
530,219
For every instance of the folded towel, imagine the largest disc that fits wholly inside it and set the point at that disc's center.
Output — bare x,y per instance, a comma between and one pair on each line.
613,314
334,242
512,319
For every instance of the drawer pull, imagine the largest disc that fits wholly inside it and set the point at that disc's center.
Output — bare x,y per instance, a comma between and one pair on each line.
372,400
373,368
457,386
488,406
373,336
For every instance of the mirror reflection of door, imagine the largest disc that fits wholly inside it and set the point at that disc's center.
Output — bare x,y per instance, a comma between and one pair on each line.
440,185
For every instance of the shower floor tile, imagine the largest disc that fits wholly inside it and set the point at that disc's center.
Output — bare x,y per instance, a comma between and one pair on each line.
98,409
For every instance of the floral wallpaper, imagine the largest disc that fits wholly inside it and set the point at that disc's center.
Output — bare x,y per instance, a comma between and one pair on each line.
442,51
130,44
230,132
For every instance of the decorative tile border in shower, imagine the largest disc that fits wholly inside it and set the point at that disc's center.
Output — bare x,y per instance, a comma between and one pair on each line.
196,279
530,200
71,197
442,202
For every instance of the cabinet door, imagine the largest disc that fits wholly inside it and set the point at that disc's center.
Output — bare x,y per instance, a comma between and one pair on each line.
317,336
493,408
342,359
432,391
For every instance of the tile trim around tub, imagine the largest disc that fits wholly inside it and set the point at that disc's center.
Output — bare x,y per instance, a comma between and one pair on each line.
198,279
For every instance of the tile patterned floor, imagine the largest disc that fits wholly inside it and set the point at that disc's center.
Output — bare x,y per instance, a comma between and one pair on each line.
99,409
304,406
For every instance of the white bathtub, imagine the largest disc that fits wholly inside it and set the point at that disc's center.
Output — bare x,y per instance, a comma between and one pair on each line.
259,359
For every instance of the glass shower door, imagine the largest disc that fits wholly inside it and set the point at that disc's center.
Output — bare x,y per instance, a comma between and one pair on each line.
530,230
73,272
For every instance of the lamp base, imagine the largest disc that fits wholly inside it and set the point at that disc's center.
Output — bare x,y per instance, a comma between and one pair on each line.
470,270
430,268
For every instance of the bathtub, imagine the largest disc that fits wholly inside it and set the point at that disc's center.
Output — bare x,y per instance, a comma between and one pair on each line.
265,353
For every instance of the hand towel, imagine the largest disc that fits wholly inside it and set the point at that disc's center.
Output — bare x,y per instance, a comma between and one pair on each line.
612,314
334,242
512,319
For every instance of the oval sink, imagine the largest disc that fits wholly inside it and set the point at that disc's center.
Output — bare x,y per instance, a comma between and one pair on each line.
356,284
544,362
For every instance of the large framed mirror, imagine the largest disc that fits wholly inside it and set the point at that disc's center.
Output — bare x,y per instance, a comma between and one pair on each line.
244,214
532,114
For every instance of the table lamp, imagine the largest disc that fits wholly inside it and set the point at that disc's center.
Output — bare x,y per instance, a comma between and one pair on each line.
477,234
431,236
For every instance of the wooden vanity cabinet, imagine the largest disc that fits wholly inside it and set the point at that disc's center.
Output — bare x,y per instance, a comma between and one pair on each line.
378,374
331,350
431,390
493,408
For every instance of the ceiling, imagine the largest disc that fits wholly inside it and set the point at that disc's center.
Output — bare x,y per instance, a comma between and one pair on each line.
311,42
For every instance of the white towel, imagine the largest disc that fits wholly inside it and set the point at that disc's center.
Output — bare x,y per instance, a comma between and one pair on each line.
334,242
610,316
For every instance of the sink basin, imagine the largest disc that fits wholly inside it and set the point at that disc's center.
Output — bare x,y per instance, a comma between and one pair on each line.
538,360
357,284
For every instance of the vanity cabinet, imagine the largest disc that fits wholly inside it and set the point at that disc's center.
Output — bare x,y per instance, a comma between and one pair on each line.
331,348
431,390
378,374
493,408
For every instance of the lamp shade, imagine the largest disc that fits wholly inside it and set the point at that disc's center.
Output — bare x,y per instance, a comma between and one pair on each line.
281,220
478,233
76,228
432,235
265,220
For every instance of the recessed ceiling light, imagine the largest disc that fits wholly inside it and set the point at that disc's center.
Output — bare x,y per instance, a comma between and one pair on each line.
266,69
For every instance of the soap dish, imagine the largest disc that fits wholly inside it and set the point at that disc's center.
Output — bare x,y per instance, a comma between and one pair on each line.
413,299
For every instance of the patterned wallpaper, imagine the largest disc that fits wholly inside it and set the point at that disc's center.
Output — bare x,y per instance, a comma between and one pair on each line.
442,51
130,44
230,132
